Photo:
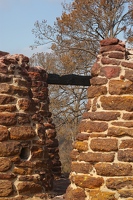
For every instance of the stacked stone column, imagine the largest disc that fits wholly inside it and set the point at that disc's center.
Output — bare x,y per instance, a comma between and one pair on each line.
25,164
102,156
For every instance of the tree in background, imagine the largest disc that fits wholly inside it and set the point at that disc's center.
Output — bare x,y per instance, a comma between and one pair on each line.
74,43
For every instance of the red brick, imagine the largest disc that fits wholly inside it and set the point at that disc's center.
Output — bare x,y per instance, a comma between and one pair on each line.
95,70
112,48
109,41
129,75
127,64
109,61
117,55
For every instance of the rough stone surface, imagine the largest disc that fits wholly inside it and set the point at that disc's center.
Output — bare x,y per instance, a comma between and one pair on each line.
104,145
6,188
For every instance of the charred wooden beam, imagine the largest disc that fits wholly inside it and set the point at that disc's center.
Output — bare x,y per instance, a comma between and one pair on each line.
69,79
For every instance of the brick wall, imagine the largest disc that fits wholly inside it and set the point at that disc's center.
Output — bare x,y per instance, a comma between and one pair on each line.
102,155
28,147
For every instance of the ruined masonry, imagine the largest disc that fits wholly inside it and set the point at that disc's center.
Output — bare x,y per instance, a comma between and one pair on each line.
102,155
29,157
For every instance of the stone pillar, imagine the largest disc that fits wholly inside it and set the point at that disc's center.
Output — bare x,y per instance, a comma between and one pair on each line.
102,155
25,164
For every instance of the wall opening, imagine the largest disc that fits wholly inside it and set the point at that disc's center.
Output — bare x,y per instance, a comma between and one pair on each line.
25,153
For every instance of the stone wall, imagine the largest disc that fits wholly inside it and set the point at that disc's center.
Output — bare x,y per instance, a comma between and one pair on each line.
102,155
29,157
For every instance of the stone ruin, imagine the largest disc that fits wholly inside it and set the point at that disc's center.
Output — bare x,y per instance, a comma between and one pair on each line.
29,158
102,155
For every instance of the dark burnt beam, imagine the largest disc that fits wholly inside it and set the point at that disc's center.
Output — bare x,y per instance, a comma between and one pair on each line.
70,79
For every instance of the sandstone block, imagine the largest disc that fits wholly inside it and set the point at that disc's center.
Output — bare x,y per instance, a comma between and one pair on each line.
9,148
74,154
126,144
24,104
125,193
125,155
5,99
128,116
119,183
104,145
109,41
75,194
3,68
95,70
89,127
102,116
5,164
109,61
4,78
129,75
96,157
28,188
82,136
98,81
101,195
127,64
36,152
8,118
115,169
7,176
96,91
22,171
117,55
21,133
23,118
120,87
112,48
80,167
110,71
86,181
120,131
4,134
124,124
80,145
117,103
6,188
7,108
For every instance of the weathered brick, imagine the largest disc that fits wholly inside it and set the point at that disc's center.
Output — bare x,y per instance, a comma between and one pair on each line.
96,91
89,127
105,145
98,81
22,171
120,87
3,68
80,145
9,148
112,48
6,188
75,193
110,61
127,64
96,157
95,104
21,133
109,41
125,155
101,195
74,154
86,181
129,75
80,167
23,118
110,71
102,116
7,176
117,103
119,183
8,118
4,134
119,131
115,169
36,152
4,78
95,70
25,104
126,144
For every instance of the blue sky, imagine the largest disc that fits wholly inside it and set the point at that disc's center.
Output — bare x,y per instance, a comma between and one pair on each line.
17,18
